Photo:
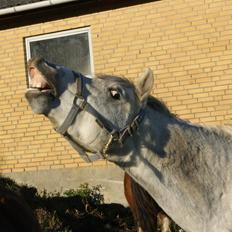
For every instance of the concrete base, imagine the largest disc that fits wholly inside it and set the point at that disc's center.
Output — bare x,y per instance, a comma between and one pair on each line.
110,178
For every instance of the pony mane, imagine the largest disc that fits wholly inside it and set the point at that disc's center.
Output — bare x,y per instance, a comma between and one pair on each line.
219,131
160,106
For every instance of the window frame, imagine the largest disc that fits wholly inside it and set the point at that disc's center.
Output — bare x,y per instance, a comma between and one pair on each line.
59,34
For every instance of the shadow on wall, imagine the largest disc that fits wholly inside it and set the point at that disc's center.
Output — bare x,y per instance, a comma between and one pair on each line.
72,9
23,208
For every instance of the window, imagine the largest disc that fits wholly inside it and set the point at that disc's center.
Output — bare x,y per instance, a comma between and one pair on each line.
70,48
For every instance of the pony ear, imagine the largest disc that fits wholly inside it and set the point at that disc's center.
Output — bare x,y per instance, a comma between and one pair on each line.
145,85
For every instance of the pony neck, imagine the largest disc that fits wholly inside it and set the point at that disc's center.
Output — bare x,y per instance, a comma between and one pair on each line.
146,159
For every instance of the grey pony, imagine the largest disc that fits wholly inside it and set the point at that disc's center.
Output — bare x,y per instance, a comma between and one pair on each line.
186,168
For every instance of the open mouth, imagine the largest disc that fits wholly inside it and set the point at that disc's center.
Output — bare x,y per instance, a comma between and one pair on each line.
42,86
39,79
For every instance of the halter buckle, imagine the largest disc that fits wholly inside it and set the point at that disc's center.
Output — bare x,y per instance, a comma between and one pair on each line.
79,101
115,135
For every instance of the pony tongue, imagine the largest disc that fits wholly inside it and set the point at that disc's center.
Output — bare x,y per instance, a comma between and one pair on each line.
37,80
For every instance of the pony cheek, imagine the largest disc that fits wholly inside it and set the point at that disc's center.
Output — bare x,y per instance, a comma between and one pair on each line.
100,141
87,130
88,134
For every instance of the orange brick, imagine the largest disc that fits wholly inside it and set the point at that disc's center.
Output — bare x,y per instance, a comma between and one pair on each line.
57,166
71,165
30,169
7,170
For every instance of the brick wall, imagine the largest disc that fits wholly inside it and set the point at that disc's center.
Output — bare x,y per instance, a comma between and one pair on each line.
187,43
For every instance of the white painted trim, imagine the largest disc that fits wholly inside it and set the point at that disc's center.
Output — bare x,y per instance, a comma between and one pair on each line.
62,34
58,34
54,2
91,53
6,11
31,6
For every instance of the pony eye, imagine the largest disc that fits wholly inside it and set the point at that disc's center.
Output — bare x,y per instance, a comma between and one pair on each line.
115,94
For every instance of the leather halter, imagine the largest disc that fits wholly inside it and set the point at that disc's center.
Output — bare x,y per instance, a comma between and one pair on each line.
80,104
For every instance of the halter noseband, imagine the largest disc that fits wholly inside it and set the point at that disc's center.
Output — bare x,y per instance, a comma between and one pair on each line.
80,104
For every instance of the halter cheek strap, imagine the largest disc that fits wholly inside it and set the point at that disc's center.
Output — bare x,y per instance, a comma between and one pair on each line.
80,104
77,106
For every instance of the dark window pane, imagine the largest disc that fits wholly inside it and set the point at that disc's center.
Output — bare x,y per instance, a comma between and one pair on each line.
71,51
